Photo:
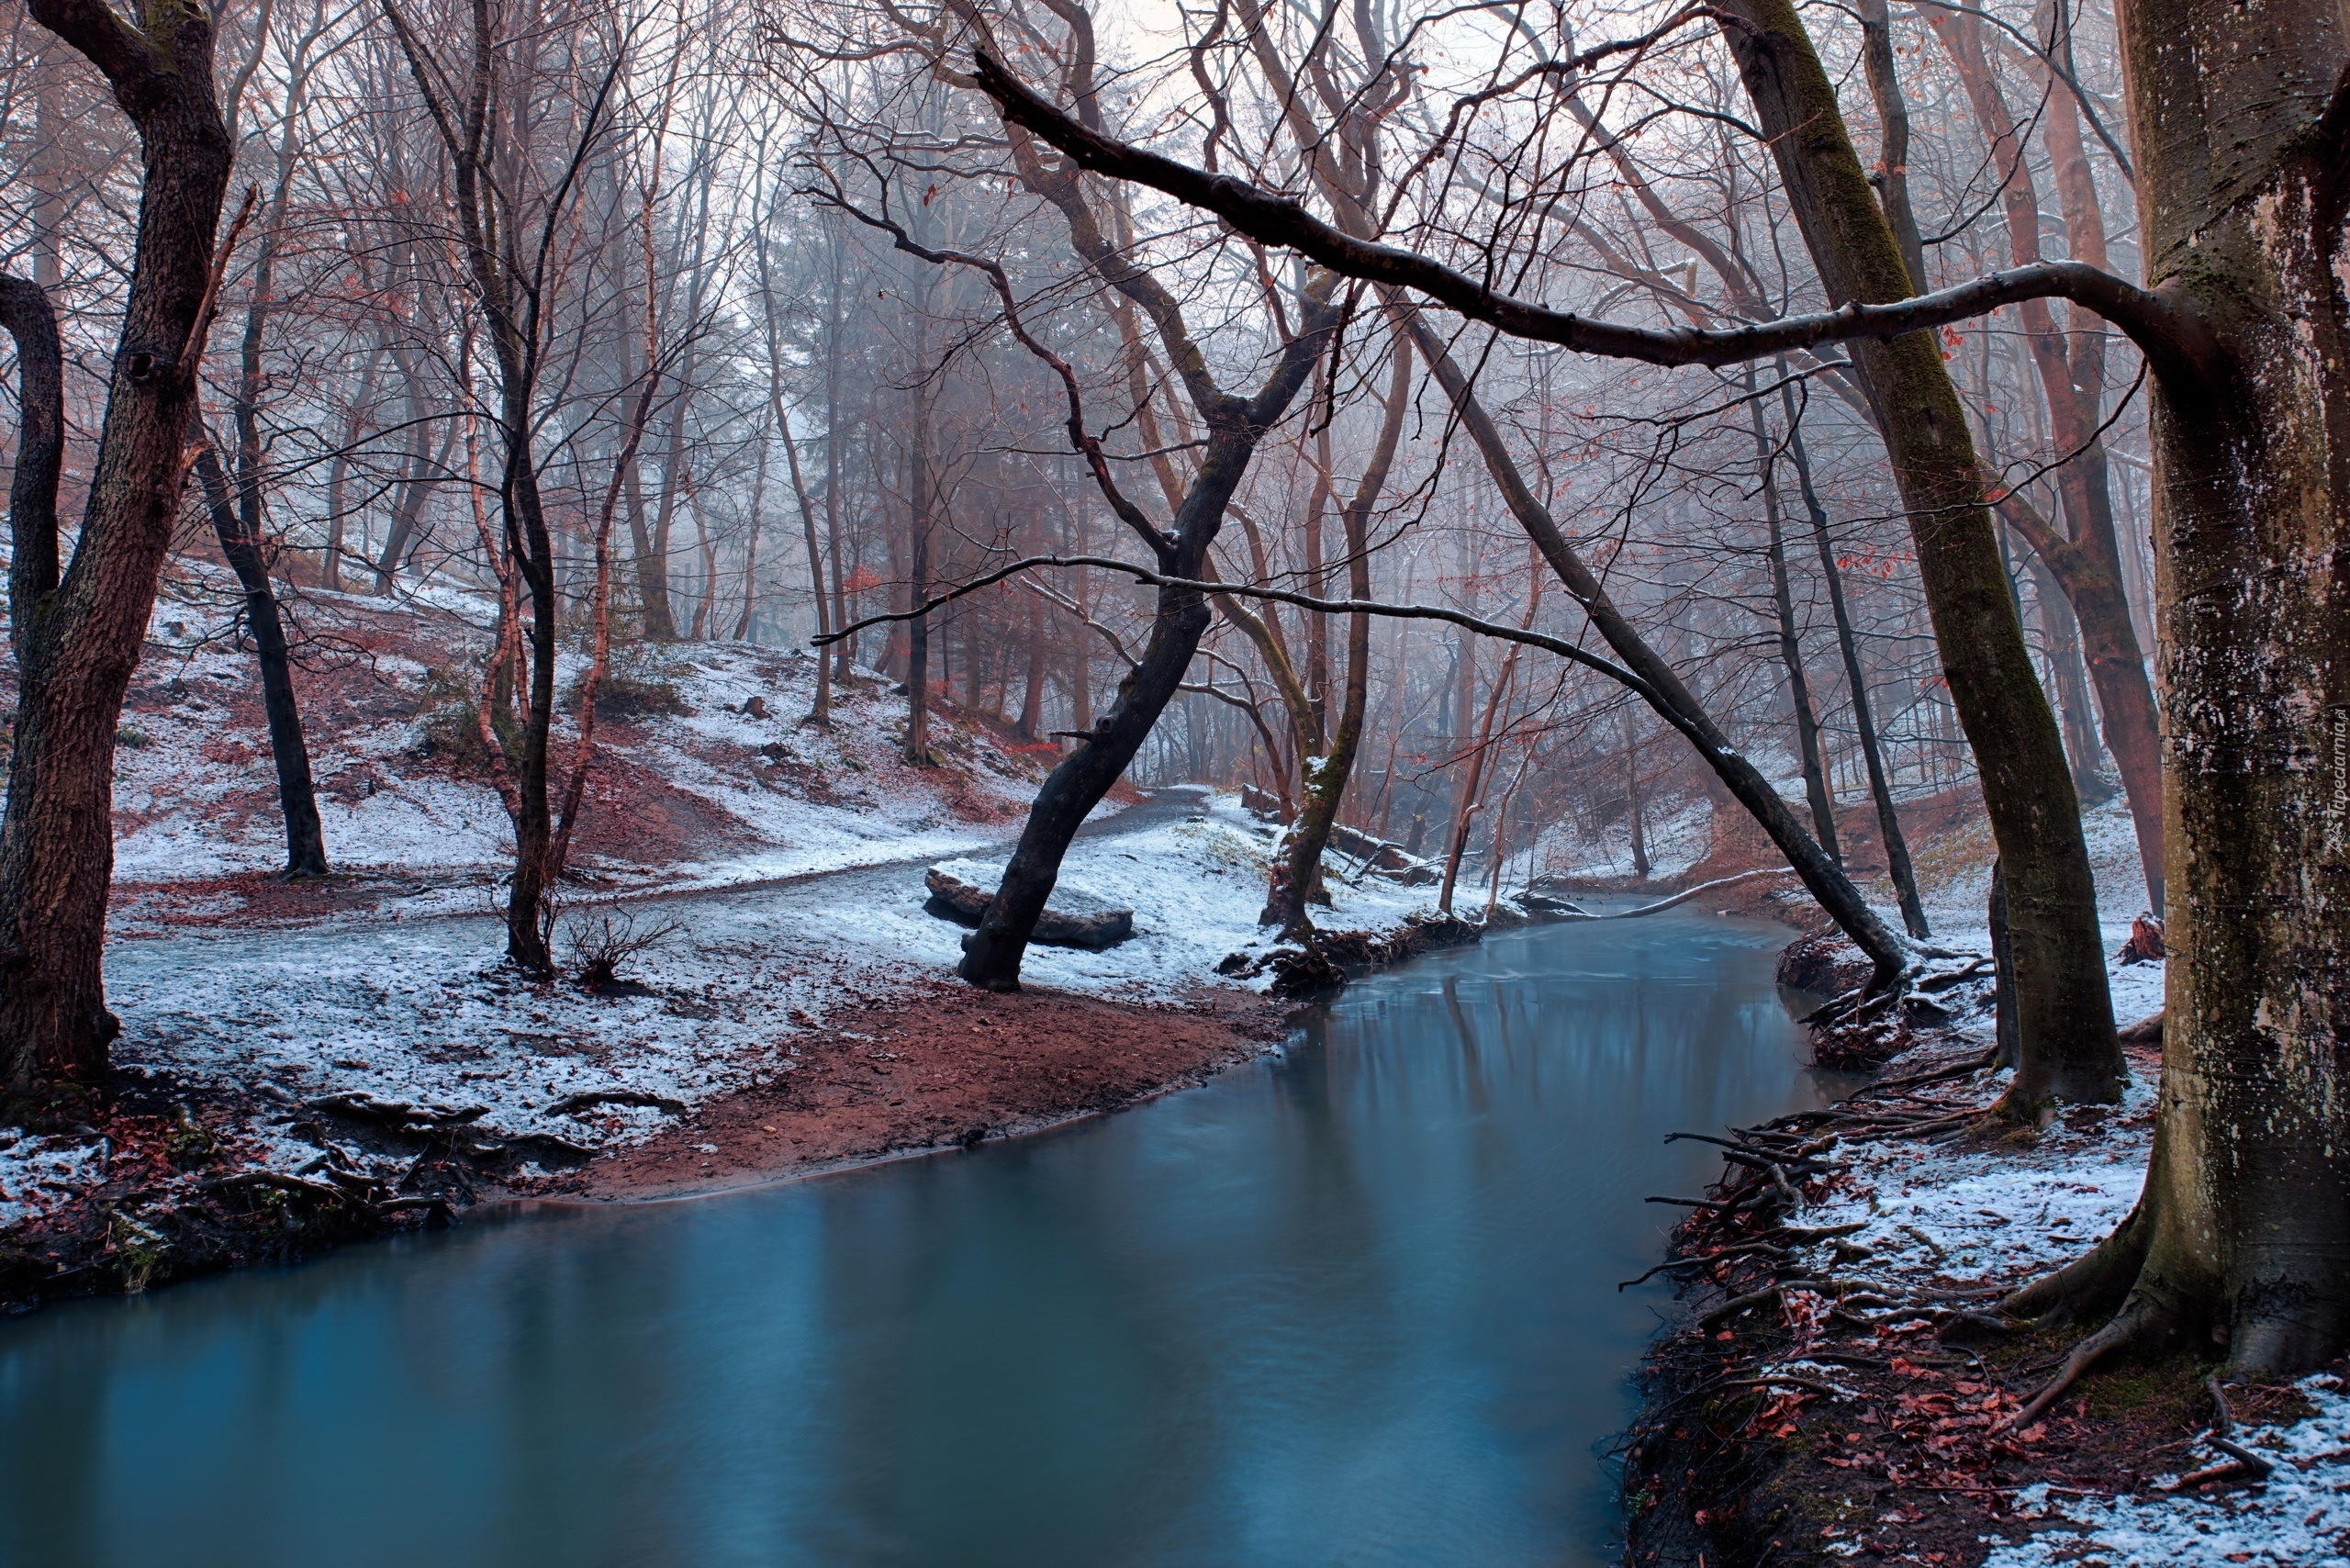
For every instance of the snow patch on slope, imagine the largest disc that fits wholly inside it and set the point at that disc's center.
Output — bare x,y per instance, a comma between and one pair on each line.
2299,1515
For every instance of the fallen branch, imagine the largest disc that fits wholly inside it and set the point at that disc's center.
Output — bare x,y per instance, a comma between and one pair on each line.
360,1106
1686,895
1789,1380
572,1104
1727,1255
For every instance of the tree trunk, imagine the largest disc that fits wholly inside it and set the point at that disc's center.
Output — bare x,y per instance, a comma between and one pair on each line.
1888,819
1472,796
417,485
2060,640
916,749
991,954
673,487
2003,975
1317,629
1324,786
1666,692
77,638
844,662
1635,811
239,529
744,624
1815,780
652,562
1892,176
235,524
821,714
2072,380
2065,1014
338,469
1032,697
2243,133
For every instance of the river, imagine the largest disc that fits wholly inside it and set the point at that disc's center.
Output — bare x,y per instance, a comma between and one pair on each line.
1354,1304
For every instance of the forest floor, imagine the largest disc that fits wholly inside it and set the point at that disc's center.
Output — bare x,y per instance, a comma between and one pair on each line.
303,1063
1847,1398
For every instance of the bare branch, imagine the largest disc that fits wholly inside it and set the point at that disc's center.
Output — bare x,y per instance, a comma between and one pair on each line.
2179,345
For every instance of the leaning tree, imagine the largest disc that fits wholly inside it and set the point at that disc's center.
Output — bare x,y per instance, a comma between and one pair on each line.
2065,1018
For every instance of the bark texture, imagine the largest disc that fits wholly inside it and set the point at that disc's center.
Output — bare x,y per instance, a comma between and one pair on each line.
77,636
2241,125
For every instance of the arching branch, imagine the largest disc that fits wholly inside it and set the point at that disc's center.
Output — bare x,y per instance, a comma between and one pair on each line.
2179,346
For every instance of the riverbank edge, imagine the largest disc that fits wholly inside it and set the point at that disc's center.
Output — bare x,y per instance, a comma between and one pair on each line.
1829,1424
181,1204
183,1200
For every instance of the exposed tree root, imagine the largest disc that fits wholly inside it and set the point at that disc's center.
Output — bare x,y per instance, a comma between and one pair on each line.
2243,1464
2099,1280
2136,1323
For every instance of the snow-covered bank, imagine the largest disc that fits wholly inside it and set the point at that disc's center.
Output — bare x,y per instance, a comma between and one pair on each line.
293,1045
1858,1391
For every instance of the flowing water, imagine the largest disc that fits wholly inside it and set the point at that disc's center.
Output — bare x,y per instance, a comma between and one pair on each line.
1352,1305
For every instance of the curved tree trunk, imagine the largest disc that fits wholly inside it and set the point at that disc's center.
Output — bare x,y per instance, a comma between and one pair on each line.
77,637
1673,701
991,954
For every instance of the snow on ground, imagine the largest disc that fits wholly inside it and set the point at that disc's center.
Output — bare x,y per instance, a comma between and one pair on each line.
1954,877
37,1172
423,1011
2299,1515
1679,835
694,789
2008,1213
2004,1215
1196,889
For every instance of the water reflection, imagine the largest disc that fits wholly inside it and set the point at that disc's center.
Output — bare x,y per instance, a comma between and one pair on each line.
1353,1305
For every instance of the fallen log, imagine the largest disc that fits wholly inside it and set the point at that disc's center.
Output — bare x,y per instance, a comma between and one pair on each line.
1072,918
